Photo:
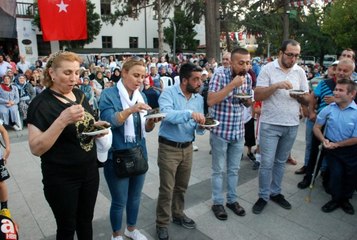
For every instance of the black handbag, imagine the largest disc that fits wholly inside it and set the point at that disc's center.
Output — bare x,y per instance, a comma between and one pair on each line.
129,162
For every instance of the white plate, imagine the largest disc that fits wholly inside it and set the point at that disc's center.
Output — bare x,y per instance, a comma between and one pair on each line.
156,115
296,92
243,96
216,123
94,133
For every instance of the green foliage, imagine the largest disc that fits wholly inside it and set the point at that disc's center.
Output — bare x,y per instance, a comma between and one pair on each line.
194,9
93,27
124,8
340,23
265,19
184,32
306,29
267,27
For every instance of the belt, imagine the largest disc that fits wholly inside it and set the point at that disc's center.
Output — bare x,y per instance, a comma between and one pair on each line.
174,144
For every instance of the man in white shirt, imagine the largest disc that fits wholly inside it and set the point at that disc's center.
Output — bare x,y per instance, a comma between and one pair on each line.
23,65
279,120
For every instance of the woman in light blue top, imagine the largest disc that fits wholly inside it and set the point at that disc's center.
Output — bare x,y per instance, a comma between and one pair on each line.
124,106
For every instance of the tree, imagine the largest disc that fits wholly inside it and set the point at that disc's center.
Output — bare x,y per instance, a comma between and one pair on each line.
93,26
213,29
307,30
265,22
184,31
340,23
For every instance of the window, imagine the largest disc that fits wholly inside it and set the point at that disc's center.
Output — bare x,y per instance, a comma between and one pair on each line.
133,42
156,43
44,48
107,42
105,8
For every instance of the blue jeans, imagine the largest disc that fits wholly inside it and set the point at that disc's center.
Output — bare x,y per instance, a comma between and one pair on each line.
275,145
126,193
223,152
308,138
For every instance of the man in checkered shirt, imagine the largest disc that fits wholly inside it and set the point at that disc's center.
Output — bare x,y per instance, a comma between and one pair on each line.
227,139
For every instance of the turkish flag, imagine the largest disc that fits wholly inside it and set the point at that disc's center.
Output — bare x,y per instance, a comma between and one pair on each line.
63,19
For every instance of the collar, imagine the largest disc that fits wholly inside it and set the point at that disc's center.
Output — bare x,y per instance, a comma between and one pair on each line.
179,91
352,105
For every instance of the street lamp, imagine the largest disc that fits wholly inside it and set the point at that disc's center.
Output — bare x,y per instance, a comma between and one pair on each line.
174,41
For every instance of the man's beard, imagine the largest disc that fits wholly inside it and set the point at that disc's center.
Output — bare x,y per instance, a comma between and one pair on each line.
191,89
241,73
287,65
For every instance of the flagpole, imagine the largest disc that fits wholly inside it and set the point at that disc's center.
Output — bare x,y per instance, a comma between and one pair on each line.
146,31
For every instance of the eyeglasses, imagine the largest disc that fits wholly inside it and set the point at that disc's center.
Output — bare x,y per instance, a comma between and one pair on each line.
291,55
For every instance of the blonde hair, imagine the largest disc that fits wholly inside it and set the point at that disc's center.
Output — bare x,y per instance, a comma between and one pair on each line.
54,62
131,62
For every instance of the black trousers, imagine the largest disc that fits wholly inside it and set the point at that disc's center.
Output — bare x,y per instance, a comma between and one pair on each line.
71,192
249,135
343,172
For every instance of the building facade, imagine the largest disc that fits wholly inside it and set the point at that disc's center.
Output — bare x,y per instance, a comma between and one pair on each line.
138,35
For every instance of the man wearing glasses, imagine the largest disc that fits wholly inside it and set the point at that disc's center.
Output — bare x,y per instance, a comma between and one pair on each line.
279,120
225,97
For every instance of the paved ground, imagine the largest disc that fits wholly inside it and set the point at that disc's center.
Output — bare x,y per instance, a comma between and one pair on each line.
304,221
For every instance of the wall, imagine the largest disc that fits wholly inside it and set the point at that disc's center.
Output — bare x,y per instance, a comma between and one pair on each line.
26,36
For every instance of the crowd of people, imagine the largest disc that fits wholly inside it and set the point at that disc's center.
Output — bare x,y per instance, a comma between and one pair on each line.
257,105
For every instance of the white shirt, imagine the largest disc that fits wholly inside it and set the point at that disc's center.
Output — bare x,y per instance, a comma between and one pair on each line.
23,66
280,108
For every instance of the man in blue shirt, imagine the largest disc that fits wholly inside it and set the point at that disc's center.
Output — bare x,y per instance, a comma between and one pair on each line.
321,97
183,106
340,143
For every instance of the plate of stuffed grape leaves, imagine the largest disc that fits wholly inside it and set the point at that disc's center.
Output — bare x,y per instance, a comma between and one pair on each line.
243,96
154,113
297,92
210,122
96,130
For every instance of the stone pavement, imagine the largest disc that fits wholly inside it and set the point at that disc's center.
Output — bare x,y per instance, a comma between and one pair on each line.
305,221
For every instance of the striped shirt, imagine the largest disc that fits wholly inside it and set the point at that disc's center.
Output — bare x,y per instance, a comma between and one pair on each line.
324,88
229,112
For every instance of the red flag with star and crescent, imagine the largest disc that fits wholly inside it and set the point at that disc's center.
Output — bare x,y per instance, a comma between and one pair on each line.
63,19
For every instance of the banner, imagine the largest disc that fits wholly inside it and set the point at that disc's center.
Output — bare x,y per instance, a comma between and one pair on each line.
8,19
63,19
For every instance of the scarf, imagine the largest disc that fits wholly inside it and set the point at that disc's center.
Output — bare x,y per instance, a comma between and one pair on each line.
129,129
7,88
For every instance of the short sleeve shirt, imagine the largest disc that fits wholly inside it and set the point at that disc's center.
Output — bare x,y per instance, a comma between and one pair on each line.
229,112
280,108
71,147
341,124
